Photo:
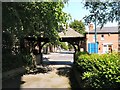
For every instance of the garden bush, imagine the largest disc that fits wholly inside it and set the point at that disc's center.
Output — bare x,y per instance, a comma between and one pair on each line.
79,53
13,57
10,61
99,71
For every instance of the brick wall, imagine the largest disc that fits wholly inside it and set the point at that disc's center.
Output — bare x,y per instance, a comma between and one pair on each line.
107,39
119,41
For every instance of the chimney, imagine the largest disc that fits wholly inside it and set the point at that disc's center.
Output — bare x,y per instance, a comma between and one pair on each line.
91,26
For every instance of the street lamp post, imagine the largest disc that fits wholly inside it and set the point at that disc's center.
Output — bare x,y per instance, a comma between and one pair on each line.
95,30
95,35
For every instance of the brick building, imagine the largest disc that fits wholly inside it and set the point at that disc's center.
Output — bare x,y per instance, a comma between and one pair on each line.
107,40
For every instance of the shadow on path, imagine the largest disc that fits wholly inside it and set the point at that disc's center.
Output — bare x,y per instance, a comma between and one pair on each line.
67,71
47,62
66,52
12,83
59,63
16,81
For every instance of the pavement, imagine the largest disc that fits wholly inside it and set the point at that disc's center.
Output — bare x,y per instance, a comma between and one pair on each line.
60,58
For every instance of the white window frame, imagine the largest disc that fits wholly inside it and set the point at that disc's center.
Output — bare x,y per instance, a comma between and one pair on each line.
105,50
102,37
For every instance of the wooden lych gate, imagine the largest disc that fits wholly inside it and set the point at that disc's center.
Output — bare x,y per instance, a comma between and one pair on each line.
71,36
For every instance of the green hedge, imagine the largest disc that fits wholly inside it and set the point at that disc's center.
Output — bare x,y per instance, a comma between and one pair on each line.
10,61
99,71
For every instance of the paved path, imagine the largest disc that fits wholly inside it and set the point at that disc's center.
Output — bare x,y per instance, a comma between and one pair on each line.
53,79
57,77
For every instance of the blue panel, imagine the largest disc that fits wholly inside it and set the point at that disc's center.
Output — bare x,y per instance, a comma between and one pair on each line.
93,47
89,47
96,49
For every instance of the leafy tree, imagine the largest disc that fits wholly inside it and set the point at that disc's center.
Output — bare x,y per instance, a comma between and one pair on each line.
64,46
78,26
33,18
107,11
70,47
23,19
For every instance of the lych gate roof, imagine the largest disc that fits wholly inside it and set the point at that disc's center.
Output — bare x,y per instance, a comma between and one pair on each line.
105,30
70,33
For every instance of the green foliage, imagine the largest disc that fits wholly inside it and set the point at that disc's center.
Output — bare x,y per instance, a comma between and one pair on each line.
78,26
100,71
106,11
70,46
63,45
7,42
23,19
12,57
33,18
79,54
10,61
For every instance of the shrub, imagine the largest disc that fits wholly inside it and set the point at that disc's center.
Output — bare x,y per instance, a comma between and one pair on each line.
10,61
99,71
79,53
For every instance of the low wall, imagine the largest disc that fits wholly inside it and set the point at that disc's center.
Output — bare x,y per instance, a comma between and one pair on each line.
13,73
77,76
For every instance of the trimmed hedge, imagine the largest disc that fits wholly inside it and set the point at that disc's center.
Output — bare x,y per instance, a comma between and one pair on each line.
99,71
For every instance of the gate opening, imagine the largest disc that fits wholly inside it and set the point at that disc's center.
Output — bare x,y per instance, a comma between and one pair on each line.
61,54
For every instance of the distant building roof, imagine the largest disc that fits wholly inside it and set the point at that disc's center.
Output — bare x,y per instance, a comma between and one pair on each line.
70,33
105,30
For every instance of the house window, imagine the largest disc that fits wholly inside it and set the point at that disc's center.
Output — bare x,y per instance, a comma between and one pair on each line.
107,48
102,37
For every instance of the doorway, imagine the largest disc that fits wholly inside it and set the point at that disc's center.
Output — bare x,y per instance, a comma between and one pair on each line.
107,48
93,48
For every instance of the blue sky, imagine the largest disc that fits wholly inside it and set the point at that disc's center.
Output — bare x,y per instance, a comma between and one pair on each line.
76,9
